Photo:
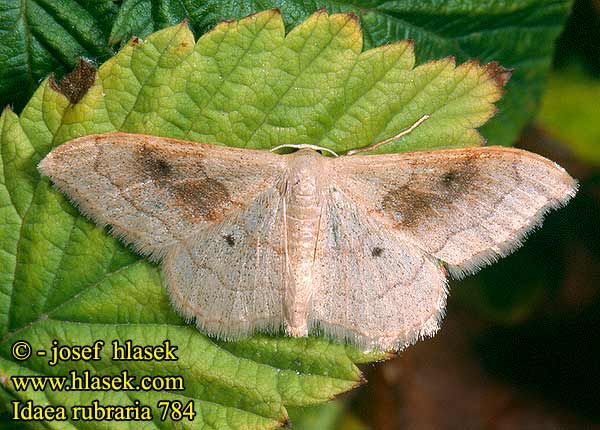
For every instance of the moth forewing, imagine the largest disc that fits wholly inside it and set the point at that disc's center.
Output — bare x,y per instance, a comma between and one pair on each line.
155,191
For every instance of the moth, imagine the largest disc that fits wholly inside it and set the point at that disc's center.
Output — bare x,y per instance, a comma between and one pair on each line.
356,246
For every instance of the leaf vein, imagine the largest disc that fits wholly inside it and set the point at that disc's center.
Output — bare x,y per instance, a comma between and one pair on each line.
291,85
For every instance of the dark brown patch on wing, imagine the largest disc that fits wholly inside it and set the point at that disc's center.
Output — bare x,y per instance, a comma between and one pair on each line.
201,199
153,165
458,178
408,206
75,84
425,194
377,251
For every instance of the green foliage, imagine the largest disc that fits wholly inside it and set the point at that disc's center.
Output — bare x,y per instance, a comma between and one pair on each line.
321,417
518,34
569,113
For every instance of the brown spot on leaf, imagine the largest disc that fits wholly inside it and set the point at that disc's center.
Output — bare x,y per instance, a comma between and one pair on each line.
498,73
201,199
493,71
425,195
352,16
77,83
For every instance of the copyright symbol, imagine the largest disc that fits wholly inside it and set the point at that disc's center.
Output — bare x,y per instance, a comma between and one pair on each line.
21,350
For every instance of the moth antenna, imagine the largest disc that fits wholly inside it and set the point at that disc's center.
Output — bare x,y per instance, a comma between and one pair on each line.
383,142
304,146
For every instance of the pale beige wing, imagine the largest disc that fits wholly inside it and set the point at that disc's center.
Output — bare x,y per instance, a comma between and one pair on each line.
464,206
156,191
230,277
373,288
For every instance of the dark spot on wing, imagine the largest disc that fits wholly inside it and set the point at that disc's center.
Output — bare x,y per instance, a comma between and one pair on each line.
426,195
408,206
449,177
75,84
377,251
229,239
163,167
153,165
203,199
459,178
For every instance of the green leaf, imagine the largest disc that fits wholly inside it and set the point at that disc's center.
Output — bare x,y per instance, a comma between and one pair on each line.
570,113
142,17
327,416
321,417
246,85
518,34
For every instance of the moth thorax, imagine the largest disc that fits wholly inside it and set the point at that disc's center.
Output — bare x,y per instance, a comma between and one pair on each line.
305,174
